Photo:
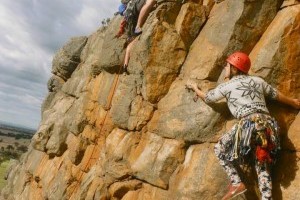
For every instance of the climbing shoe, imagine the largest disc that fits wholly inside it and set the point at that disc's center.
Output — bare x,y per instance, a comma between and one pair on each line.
234,191
125,71
137,31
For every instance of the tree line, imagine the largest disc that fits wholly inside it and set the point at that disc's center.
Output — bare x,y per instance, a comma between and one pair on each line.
16,136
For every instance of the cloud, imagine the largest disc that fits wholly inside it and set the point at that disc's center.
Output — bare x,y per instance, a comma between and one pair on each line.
31,32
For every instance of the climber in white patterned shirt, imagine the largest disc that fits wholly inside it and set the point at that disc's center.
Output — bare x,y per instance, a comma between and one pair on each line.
255,131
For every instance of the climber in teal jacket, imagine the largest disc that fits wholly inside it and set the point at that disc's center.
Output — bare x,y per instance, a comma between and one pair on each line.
256,130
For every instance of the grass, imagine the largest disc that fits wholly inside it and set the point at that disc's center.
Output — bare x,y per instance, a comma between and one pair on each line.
14,152
3,168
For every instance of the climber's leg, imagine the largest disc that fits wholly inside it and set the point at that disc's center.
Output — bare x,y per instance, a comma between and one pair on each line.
144,14
264,181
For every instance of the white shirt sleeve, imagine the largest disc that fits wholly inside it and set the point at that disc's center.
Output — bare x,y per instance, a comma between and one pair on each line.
269,91
214,95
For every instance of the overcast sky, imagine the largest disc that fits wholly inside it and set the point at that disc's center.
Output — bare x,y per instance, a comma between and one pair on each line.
31,32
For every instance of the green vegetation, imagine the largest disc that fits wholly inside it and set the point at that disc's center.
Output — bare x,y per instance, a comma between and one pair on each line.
12,152
17,136
13,143
3,168
105,22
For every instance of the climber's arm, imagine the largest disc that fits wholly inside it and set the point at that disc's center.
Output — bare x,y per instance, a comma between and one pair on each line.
209,97
288,100
199,92
272,93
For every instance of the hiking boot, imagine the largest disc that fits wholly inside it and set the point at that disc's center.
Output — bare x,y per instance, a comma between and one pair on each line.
235,191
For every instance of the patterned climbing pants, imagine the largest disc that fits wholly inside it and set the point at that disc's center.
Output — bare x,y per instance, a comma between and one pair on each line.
264,178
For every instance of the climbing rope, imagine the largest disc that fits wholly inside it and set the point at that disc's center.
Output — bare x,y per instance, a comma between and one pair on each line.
112,91
106,108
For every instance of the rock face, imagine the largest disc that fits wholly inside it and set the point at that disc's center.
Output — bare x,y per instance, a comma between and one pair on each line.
141,136
68,57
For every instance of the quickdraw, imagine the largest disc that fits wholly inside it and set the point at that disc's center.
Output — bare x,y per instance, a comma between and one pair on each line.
237,139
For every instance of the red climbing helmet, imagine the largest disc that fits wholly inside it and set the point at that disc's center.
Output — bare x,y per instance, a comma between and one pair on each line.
240,60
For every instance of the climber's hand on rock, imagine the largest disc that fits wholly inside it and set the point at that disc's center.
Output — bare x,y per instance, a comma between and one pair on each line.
191,85
195,98
296,103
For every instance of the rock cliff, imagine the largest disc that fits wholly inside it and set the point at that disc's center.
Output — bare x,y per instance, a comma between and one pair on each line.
141,136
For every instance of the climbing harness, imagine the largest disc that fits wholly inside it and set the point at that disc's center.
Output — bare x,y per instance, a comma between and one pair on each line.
258,132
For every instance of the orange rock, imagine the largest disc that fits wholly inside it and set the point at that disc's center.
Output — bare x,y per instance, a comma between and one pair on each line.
190,20
199,168
153,131
286,176
289,3
119,189
156,159
292,140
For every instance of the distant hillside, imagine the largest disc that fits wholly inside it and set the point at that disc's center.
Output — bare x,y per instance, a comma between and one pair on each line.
16,128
